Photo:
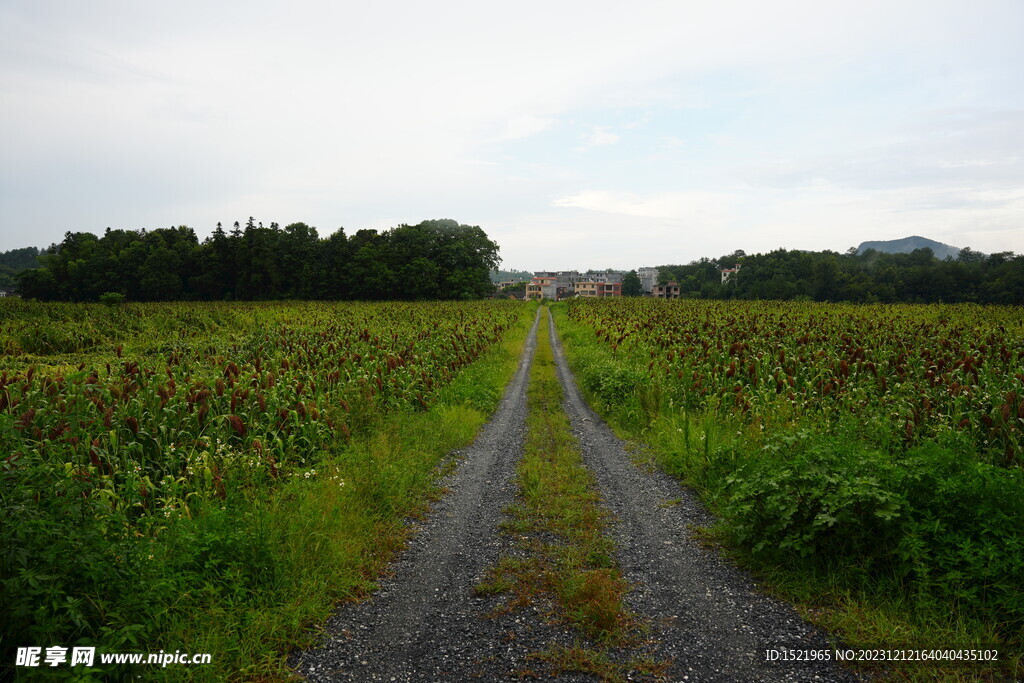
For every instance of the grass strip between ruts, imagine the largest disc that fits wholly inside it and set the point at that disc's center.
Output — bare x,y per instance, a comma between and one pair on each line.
564,559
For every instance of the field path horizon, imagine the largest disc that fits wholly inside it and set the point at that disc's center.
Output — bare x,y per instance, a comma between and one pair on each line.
703,617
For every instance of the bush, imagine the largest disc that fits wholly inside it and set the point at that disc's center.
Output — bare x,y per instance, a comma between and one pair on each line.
112,298
624,391
963,540
814,498
936,519
68,565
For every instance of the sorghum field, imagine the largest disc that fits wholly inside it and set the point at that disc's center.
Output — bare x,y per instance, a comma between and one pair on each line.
851,450
198,476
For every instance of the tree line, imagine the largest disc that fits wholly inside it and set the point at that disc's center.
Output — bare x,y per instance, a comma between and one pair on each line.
436,259
868,277
14,261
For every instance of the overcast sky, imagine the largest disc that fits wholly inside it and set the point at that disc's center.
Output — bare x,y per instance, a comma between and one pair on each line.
576,134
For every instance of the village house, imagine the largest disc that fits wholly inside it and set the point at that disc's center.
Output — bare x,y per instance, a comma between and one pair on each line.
564,284
668,291
565,287
594,290
505,284
543,287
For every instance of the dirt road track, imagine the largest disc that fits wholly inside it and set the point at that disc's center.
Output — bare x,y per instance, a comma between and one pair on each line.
427,624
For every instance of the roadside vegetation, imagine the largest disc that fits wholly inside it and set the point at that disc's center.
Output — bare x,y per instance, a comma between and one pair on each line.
564,560
215,478
865,461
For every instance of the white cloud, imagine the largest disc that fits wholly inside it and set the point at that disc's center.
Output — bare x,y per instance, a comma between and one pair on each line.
523,127
976,146
707,207
572,238
598,136
671,143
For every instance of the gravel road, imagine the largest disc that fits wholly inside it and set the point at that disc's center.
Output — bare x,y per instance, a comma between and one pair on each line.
426,623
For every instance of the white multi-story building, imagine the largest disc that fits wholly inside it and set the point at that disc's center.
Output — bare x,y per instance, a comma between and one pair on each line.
648,278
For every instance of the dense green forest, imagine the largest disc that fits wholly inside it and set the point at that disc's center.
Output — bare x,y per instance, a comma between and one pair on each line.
14,261
870,277
438,259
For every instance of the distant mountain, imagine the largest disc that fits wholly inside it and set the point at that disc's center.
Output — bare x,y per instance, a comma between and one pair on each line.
909,244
